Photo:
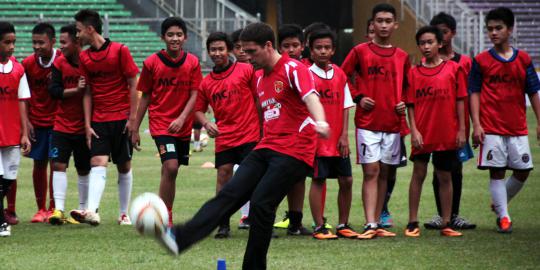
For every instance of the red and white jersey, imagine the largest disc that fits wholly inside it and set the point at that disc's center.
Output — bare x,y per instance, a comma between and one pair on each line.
231,96
13,87
502,85
41,105
106,71
288,127
70,114
434,93
335,96
169,84
380,74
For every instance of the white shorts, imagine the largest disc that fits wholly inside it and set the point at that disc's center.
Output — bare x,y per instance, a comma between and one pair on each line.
505,152
374,146
10,158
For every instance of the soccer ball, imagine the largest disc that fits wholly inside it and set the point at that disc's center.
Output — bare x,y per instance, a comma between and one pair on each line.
149,214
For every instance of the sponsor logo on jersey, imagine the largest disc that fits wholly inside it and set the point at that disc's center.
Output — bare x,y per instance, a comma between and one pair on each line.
504,78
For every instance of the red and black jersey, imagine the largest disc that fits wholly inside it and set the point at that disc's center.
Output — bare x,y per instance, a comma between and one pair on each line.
41,106
288,127
380,74
230,94
169,83
502,85
334,94
106,71
434,93
13,87
70,114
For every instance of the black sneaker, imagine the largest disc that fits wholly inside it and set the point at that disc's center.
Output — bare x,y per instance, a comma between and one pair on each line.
223,232
5,230
460,223
435,223
301,230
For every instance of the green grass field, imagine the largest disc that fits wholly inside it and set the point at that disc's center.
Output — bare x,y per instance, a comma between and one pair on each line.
109,246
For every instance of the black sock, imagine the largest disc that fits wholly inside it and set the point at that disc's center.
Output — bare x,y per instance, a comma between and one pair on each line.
457,181
4,189
436,193
389,189
295,219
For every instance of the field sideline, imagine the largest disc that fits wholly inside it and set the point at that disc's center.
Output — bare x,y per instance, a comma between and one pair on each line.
109,246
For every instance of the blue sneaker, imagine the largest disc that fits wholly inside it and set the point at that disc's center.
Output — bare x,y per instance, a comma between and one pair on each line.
386,220
168,240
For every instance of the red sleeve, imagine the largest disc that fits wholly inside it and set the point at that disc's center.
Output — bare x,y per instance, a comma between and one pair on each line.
461,80
406,69
254,80
350,64
302,80
146,81
196,77
201,105
128,66
83,71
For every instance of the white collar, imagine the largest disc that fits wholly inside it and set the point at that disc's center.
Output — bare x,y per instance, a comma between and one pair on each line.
7,67
321,72
48,65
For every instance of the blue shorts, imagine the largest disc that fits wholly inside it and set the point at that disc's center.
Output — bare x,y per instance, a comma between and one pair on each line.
40,147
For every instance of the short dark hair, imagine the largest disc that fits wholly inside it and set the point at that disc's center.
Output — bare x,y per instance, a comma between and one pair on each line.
322,33
314,27
173,21
259,33
501,13
444,18
71,30
219,36
89,17
383,7
429,29
290,31
369,22
6,28
235,36
44,28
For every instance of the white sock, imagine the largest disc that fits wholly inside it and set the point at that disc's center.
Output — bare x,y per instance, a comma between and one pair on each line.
513,186
96,185
498,197
373,225
125,181
196,144
59,189
83,191
245,210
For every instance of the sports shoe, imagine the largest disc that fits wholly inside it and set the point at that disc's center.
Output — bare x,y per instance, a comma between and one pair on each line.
434,224
412,229
168,240
86,216
381,232
369,233
322,233
123,219
298,231
39,216
223,232
57,217
449,232
284,224
326,225
244,223
460,223
5,230
346,231
386,220
504,225
11,217
71,220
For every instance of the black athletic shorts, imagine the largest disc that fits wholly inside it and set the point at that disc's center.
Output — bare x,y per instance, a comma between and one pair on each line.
234,155
170,147
442,160
331,167
63,144
112,141
196,125
403,161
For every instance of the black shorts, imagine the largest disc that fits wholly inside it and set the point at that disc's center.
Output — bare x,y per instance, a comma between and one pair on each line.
442,160
112,141
403,161
331,167
196,125
173,148
234,155
63,144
